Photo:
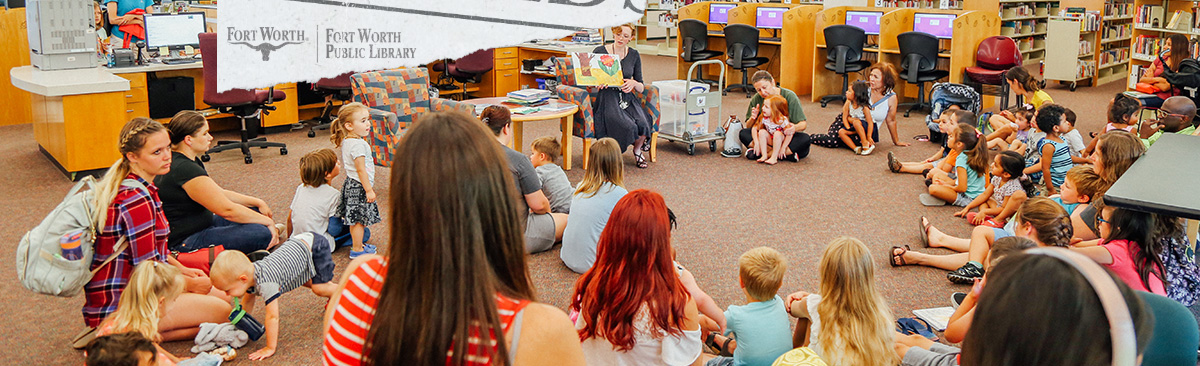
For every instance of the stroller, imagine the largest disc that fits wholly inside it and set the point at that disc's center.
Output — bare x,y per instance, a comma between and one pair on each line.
942,96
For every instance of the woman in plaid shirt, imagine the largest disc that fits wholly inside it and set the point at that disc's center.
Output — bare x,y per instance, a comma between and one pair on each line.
137,214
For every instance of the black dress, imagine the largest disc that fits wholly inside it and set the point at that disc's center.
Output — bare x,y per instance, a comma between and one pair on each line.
617,114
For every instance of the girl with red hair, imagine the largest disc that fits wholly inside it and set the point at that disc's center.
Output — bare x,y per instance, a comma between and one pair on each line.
634,264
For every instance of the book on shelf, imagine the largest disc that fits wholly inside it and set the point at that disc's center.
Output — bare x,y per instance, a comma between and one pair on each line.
1150,15
1118,10
1135,73
1180,20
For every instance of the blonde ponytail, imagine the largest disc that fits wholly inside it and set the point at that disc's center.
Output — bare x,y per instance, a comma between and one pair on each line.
151,284
133,138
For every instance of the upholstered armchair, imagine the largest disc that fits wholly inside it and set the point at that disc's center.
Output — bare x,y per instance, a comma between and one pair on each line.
397,99
585,126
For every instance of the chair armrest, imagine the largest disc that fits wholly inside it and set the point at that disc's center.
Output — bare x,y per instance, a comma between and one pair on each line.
649,99
584,122
385,132
443,105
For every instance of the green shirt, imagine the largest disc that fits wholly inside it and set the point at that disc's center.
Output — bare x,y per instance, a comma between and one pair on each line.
795,111
1153,138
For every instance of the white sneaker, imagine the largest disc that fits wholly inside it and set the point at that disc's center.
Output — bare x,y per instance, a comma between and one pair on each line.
868,150
858,150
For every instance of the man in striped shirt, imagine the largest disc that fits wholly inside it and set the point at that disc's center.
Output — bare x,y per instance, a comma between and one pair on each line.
303,260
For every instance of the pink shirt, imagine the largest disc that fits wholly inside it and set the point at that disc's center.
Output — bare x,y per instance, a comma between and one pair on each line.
1123,265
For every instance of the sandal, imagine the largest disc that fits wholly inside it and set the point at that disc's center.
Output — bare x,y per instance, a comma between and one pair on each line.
710,340
893,164
916,326
925,230
898,258
81,340
922,138
641,161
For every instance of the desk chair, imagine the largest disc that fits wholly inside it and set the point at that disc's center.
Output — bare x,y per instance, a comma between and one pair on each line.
242,103
742,46
334,88
1175,334
844,52
918,64
694,34
467,69
994,57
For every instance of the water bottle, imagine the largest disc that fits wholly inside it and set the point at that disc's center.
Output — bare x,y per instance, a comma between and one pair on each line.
70,245
246,323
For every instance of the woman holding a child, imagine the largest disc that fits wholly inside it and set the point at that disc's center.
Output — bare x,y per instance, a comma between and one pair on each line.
764,85
201,213
881,80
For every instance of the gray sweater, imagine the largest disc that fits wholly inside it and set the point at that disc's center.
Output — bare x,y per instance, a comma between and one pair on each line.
556,187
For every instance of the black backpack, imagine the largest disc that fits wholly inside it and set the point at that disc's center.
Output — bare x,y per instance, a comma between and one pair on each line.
1187,79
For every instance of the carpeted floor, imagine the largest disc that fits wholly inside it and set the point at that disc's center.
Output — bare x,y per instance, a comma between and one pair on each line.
722,208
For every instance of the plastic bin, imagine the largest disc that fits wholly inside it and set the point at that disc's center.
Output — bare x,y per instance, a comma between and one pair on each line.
676,119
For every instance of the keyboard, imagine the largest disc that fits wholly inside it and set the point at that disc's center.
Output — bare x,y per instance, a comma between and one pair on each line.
180,61
769,39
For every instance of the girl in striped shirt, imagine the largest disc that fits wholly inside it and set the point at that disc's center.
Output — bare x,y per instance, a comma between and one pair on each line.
1055,160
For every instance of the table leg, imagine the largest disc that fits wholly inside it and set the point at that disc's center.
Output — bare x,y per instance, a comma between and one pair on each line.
518,129
567,123
587,146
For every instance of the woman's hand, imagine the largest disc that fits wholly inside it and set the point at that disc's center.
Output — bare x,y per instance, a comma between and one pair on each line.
129,19
371,196
629,85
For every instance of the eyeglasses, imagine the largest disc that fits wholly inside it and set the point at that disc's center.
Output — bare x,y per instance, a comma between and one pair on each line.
1163,114
1101,220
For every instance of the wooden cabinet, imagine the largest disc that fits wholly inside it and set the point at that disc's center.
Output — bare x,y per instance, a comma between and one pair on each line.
136,98
287,110
506,73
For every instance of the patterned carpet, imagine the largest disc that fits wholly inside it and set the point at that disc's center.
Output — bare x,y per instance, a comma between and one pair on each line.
723,207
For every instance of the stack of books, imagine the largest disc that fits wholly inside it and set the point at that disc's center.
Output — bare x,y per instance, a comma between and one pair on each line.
528,97
588,35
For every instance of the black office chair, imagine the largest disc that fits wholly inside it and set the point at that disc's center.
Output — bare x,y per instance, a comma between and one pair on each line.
742,46
918,64
242,103
336,88
694,34
844,52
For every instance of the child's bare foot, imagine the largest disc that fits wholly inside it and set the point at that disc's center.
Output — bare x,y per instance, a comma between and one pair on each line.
772,160
763,158
936,237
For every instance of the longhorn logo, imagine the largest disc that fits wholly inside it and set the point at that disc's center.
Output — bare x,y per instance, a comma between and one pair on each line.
265,48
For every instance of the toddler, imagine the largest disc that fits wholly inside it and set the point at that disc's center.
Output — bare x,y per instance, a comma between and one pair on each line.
1074,139
302,260
554,181
947,121
1082,183
314,207
760,328
1122,115
358,208
772,128
1017,130
970,168
856,117
1006,191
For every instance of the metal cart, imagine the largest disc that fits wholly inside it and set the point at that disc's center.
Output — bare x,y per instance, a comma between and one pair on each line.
697,101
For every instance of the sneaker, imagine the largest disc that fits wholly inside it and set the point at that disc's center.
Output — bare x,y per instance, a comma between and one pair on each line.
258,255
868,150
281,229
795,158
858,150
752,155
965,275
929,200
731,153
957,298
366,250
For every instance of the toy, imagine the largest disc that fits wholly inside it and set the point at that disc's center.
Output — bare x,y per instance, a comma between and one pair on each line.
226,353
213,336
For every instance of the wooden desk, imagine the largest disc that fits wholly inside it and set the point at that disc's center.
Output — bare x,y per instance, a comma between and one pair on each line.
744,13
78,114
795,68
508,76
566,117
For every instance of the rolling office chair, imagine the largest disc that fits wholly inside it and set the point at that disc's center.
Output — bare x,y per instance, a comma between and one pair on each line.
467,69
994,57
334,88
1175,333
694,34
742,47
243,104
844,52
918,64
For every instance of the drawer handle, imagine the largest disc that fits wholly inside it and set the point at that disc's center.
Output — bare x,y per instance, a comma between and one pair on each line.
128,111
129,95
506,75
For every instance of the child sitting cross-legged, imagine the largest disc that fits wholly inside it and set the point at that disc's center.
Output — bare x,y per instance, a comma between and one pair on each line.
943,160
1006,191
760,328
302,260
916,350
554,181
970,169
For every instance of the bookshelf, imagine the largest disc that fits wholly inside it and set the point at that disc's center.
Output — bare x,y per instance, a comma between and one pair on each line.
658,21
1152,21
982,5
1026,23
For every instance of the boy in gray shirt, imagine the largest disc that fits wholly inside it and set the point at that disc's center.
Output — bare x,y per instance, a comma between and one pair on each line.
554,181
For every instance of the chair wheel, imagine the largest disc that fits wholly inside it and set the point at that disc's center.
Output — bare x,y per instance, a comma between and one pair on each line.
712,146
692,149
249,160
283,151
906,114
205,158
312,133
823,103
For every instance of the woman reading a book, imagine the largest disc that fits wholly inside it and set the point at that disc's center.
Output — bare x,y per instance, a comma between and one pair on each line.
1165,60
619,115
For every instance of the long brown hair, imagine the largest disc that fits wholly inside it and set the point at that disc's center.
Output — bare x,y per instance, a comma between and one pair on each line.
605,166
1119,149
1179,43
456,243
634,269
1022,77
974,146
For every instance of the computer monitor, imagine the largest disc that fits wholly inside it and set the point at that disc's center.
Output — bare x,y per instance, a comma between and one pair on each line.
719,13
867,20
938,25
174,30
769,18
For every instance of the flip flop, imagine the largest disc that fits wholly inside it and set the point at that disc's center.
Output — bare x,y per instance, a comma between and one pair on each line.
929,200
921,138
899,257
917,326
924,230
893,164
